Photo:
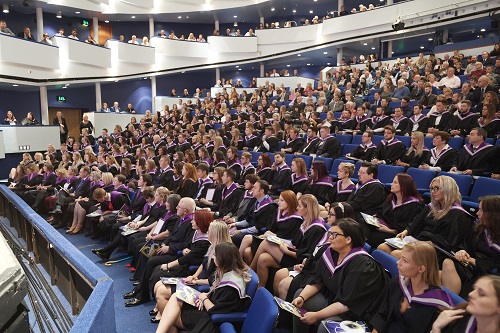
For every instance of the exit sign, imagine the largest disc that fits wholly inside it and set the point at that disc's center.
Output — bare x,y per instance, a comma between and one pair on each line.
85,23
61,99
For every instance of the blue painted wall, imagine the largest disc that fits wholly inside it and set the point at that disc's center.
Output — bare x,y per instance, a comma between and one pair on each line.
137,92
191,80
78,98
20,103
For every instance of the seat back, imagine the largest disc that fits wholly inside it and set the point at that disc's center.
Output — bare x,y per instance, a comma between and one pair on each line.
454,297
348,147
389,262
335,166
456,143
262,314
386,172
422,178
377,139
406,140
255,156
356,140
344,138
253,284
289,158
328,161
308,160
484,186
463,181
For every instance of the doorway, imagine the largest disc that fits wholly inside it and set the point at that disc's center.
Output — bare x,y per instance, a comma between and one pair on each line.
105,32
73,118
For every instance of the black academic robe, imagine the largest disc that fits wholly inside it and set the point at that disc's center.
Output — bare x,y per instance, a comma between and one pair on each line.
367,198
188,189
338,194
286,227
164,178
444,160
361,123
281,179
298,184
321,190
251,142
295,145
390,152
463,123
476,161
492,128
420,123
230,200
329,147
364,152
400,124
440,120
266,174
245,170
415,160
379,123
309,146
306,240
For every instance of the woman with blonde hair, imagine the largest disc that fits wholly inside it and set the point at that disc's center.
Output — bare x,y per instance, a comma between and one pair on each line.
219,145
412,301
443,222
417,154
217,233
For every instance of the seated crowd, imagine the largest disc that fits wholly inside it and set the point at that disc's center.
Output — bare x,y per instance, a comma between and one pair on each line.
214,184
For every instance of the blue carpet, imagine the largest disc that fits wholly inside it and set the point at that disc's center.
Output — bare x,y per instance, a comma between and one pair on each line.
134,319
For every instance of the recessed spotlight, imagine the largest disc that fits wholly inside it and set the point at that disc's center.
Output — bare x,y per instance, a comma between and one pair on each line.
287,65
294,11
59,15
308,64
6,8
273,9
328,64
117,80
65,87
373,48
237,66
239,69
298,55
392,52
421,47
311,11
107,21
325,52
179,17
15,85
365,44
187,16
483,30
235,16
430,39
77,12
133,16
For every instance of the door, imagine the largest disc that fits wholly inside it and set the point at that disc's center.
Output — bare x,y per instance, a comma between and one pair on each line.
105,32
73,118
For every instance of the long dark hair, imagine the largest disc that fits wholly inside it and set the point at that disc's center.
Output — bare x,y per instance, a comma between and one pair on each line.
407,186
490,205
229,259
320,171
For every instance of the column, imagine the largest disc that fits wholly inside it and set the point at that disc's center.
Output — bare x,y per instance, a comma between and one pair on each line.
389,49
389,2
95,27
44,105
151,27
216,25
262,70
153,96
98,98
217,74
445,36
261,20
39,23
340,55
341,3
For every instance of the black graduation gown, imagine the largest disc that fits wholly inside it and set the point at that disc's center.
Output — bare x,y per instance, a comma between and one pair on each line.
286,227
295,144
266,174
390,152
476,161
309,147
492,128
298,184
400,124
415,160
251,142
321,190
329,147
337,194
364,152
446,117
422,124
361,123
367,198
229,204
281,179
463,123
188,190
272,141
444,160
417,318
305,242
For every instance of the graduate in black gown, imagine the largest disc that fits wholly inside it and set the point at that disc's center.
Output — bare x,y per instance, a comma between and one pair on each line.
344,186
227,294
481,314
345,283
298,183
480,250
188,186
416,154
320,184
411,301
442,155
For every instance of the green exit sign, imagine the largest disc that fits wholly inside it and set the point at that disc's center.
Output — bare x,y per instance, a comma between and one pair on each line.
61,99
85,23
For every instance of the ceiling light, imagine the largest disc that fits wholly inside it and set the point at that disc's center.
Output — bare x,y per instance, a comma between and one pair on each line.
107,21
483,30
373,48
237,66
421,47
239,69
59,15
325,52
77,12
15,85
179,17
235,16
235,24
392,52
365,44
430,39
311,11
187,16
65,87
117,80
287,65
308,64
328,64
132,16
5,8
273,9
294,11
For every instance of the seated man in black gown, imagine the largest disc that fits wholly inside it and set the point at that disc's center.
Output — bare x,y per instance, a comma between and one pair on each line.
473,157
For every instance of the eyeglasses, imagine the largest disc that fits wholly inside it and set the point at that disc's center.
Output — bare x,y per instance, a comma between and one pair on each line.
335,234
435,188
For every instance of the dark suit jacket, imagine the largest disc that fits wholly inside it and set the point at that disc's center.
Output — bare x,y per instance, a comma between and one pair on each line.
63,121
21,35
476,95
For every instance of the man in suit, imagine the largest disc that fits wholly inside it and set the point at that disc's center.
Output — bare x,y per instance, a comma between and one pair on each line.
428,99
115,108
328,145
487,61
63,127
336,105
26,34
483,86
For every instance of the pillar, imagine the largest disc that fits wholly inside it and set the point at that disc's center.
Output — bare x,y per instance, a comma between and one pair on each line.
261,20
95,27
341,3
340,55
389,2
217,74
39,23
445,36
44,105
151,27
153,96
262,70
98,98
216,25
389,49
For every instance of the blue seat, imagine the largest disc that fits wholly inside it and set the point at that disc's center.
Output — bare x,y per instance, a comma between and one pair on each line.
426,111
238,317
337,114
456,143
497,144
255,156
335,166
482,187
389,262
454,297
347,148
308,160
464,182
216,126
386,173
344,138
428,142
377,139
354,177
322,116
261,316
271,156
328,161
356,140
463,78
422,178
289,158
281,144
406,140
487,140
